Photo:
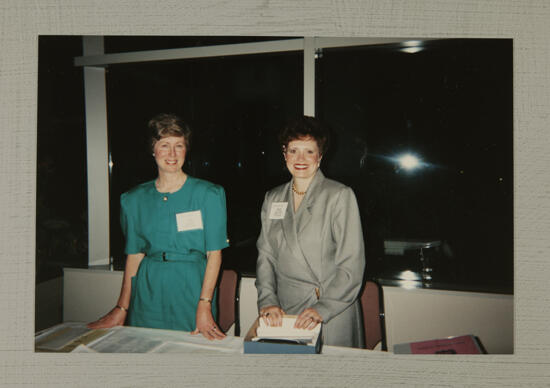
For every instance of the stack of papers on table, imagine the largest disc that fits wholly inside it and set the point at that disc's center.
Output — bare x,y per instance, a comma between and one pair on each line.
76,337
286,331
283,339
128,339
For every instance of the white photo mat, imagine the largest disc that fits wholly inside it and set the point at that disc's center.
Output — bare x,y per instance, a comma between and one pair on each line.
21,21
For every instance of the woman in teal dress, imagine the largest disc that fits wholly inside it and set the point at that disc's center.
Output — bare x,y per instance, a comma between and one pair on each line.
175,229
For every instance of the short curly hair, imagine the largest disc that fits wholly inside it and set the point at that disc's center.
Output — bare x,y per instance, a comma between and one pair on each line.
304,127
166,125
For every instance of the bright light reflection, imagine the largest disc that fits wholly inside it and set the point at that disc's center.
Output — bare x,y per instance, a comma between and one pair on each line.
411,50
409,162
408,275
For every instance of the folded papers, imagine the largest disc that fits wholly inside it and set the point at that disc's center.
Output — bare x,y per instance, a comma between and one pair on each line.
286,331
284,339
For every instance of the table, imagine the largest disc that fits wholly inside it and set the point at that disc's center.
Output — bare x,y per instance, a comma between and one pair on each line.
75,337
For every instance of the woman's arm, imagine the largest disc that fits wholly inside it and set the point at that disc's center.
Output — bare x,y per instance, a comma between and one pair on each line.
205,321
117,316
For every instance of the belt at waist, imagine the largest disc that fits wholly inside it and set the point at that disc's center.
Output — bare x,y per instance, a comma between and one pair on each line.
192,257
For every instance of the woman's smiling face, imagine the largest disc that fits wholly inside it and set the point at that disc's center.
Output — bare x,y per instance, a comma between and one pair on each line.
302,157
170,153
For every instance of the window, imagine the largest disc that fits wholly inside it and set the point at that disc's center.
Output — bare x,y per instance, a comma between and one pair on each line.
446,102
449,104
61,197
235,106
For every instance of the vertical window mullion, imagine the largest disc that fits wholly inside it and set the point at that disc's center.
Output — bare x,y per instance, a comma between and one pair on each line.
309,76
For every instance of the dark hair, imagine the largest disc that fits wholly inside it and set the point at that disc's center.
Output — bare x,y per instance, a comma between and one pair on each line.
166,125
303,127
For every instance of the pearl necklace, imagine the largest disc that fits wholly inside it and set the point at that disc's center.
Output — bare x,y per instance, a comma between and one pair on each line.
296,191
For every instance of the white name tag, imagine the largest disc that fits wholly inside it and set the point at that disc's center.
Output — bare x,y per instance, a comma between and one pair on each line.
278,210
189,220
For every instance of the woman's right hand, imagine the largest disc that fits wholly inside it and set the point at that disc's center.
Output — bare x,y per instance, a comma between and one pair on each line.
272,315
115,317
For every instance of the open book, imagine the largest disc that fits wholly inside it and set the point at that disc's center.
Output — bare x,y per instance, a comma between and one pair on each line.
286,331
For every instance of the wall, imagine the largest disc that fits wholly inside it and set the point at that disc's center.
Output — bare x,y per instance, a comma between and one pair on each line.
48,303
422,314
89,294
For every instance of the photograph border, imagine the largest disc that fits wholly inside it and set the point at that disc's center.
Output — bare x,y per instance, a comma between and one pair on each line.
525,22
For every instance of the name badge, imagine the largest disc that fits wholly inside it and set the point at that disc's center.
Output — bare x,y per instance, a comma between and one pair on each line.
278,210
189,220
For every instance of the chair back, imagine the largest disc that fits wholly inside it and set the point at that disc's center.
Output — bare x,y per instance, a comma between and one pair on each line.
373,315
228,300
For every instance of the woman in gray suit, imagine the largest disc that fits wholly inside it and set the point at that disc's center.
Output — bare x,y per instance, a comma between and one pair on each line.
311,254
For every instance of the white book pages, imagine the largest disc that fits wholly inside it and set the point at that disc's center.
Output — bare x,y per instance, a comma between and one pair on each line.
286,331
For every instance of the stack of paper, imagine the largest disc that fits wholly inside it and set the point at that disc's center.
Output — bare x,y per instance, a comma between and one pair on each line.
286,331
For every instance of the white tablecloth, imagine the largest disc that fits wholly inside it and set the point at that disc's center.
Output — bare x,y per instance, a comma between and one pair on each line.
128,339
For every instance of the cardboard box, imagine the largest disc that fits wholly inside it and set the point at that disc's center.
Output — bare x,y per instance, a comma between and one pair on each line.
278,346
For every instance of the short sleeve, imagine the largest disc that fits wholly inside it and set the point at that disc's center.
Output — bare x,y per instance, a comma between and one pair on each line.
134,243
215,222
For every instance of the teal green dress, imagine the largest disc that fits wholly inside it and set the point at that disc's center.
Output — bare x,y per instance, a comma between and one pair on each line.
174,231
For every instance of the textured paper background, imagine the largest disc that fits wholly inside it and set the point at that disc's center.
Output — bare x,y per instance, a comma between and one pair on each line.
21,21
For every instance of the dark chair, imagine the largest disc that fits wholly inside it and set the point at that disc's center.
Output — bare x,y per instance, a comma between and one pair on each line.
372,304
228,301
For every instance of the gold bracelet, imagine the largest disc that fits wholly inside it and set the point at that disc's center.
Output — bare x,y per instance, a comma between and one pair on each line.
120,307
207,300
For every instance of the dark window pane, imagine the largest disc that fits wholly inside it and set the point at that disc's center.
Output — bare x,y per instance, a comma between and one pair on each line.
235,106
61,196
450,104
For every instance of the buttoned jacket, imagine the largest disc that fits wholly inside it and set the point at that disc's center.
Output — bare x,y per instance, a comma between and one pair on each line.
314,257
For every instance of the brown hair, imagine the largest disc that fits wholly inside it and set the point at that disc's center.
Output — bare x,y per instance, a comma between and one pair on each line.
166,125
304,127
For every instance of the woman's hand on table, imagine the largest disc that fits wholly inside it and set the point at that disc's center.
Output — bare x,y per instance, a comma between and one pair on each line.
272,315
308,319
205,323
115,317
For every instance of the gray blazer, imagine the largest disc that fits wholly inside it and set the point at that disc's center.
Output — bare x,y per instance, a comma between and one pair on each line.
320,246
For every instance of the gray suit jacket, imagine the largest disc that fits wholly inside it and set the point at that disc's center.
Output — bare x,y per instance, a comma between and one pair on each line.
319,246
